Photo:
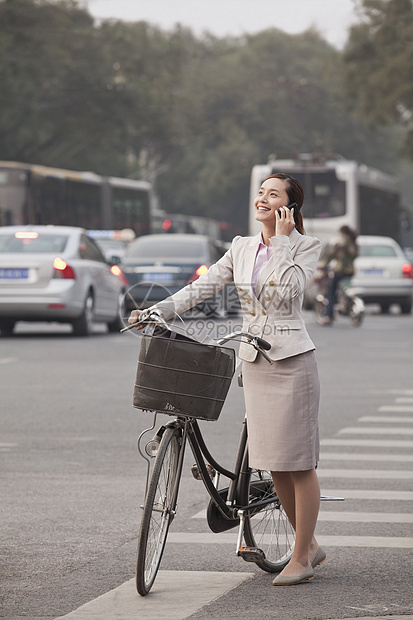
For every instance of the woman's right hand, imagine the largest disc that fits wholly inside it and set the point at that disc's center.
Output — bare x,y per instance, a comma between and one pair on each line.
135,317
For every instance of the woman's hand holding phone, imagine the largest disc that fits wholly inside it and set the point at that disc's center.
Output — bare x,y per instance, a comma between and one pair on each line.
284,220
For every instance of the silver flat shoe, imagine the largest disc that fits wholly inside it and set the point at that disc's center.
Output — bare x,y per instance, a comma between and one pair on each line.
319,557
282,580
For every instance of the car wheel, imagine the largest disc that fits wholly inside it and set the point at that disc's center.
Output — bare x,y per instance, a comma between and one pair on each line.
7,327
84,324
117,324
406,307
385,307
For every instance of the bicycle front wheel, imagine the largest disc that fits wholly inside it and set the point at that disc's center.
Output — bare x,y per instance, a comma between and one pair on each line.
159,510
268,528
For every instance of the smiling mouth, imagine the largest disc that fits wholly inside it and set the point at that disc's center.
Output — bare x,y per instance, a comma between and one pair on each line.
263,209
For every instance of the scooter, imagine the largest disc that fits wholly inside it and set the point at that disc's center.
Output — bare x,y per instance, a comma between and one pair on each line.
348,302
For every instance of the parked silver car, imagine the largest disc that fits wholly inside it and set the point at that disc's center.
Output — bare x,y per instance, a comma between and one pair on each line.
57,273
383,274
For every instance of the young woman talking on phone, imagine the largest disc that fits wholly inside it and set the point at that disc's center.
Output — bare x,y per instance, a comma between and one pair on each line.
271,271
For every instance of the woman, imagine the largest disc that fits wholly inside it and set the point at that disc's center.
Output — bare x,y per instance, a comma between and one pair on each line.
271,271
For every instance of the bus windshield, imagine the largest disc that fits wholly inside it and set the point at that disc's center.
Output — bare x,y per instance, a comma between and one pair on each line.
325,195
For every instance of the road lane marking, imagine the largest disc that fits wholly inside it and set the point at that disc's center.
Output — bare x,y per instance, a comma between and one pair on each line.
396,408
8,360
367,494
371,474
365,517
6,447
393,391
376,430
395,542
404,400
372,443
348,517
354,456
384,420
175,595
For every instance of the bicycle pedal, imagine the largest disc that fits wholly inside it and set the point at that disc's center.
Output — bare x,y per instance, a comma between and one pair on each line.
251,554
195,472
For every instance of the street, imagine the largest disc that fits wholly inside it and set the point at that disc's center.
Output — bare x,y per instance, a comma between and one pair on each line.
73,482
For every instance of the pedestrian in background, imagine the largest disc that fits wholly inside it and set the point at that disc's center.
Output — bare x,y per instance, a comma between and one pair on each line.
339,258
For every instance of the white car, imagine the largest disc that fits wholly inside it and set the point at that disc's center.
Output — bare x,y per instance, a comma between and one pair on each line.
383,275
57,273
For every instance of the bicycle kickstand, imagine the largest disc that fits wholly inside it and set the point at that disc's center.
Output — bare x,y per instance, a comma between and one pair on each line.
249,554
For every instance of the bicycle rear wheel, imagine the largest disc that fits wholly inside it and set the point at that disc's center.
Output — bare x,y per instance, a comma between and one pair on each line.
268,528
158,511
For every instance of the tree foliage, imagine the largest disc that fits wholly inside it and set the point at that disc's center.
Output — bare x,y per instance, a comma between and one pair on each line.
192,114
379,64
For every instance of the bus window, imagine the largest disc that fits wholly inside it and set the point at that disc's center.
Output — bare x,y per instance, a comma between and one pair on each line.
325,195
378,212
13,197
48,204
83,204
130,210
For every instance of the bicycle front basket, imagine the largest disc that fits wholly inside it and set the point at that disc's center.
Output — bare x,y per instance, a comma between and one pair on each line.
180,376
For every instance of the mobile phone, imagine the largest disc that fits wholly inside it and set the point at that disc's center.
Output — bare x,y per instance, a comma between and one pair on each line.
291,206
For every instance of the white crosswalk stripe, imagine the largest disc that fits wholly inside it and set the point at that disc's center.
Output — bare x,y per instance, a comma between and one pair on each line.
383,420
397,408
376,430
355,456
369,443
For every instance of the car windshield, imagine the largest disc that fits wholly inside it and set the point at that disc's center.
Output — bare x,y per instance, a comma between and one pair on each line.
170,248
32,243
377,250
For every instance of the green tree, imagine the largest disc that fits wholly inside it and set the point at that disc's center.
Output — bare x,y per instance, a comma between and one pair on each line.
78,96
379,65
193,114
241,100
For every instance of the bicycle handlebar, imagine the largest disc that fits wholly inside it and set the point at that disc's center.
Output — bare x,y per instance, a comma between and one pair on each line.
263,344
259,344
153,317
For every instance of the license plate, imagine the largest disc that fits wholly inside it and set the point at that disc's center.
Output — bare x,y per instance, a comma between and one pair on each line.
372,272
165,278
14,274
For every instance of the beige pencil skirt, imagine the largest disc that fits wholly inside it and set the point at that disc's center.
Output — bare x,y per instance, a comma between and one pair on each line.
282,412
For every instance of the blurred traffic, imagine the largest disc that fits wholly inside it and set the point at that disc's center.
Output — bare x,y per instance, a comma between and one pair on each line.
383,273
57,273
159,265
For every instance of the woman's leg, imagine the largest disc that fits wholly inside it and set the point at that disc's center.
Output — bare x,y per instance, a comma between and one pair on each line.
299,493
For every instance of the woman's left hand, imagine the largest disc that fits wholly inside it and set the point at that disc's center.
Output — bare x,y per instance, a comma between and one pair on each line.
284,221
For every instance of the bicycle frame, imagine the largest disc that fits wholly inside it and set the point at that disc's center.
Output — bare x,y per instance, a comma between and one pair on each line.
238,492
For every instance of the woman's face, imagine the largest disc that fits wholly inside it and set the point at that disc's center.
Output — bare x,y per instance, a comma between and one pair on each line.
271,196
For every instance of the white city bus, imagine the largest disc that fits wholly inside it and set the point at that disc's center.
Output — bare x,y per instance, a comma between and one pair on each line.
34,194
337,192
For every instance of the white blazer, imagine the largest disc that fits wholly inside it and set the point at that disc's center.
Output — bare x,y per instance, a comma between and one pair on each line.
274,311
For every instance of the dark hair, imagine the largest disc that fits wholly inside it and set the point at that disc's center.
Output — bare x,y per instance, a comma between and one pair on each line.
295,193
349,232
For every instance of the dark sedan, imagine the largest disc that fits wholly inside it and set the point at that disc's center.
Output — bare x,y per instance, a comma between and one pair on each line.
159,265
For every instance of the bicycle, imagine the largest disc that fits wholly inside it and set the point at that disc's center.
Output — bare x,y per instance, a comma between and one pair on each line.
348,302
249,502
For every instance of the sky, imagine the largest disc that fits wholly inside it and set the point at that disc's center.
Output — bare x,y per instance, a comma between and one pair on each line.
332,18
